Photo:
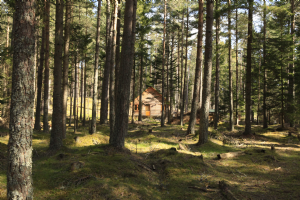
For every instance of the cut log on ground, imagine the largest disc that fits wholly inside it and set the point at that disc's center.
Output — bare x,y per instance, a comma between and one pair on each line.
230,155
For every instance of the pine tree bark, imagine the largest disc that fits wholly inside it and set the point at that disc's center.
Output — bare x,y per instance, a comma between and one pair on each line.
248,72
118,47
236,68
258,89
85,67
170,119
57,126
141,84
290,100
105,82
133,91
93,125
162,122
126,62
37,124
46,74
181,74
265,70
217,87
66,64
195,102
231,125
112,69
203,130
19,170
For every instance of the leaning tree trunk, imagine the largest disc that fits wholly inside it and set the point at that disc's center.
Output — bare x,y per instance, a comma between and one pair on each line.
195,102
66,65
46,76
217,93
19,170
37,124
93,125
105,82
203,130
231,125
248,72
57,126
126,62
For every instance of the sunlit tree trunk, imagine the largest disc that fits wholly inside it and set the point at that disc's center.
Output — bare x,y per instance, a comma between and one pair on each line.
195,102
46,74
163,68
231,125
217,93
19,170
203,129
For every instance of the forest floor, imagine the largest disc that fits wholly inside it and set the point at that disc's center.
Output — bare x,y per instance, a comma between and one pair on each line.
89,169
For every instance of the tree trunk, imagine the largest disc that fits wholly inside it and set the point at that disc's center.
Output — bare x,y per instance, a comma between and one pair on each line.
265,70
231,125
170,119
237,68
181,74
118,48
93,125
37,124
126,62
141,85
203,130
112,70
57,126
163,69
217,93
105,82
258,103
85,67
46,76
66,64
290,97
248,72
19,171
75,90
195,102
133,91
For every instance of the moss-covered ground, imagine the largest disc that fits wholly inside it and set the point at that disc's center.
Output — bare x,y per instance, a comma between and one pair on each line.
89,169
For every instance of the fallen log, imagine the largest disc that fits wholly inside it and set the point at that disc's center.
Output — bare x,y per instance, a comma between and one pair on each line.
230,154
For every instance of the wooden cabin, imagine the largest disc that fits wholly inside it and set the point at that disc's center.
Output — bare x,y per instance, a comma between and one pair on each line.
151,103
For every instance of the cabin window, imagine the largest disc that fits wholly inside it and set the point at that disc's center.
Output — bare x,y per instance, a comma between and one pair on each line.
136,107
147,107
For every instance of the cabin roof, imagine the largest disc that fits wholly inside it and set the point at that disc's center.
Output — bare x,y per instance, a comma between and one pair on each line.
152,91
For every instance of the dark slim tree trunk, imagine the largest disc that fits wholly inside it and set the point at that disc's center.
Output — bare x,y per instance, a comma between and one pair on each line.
37,124
57,126
126,62
265,70
248,72
195,102
133,91
237,68
258,103
85,67
66,65
290,97
19,170
75,91
93,128
181,74
118,48
105,82
112,69
162,122
217,93
170,119
203,130
231,125
46,78
141,84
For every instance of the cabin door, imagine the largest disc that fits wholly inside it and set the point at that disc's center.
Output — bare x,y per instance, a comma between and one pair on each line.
147,109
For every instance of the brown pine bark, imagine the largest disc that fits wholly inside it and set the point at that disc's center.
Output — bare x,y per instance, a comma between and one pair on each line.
66,64
248,72
46,75
118,47
126,63
37,124
203,129
141,84
19,166
170,119
75,91
105,82
85,67
162,121
181,74
236,68
217,89
265,71
112,69
57,126
133,91
195,102
231,125
93,125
